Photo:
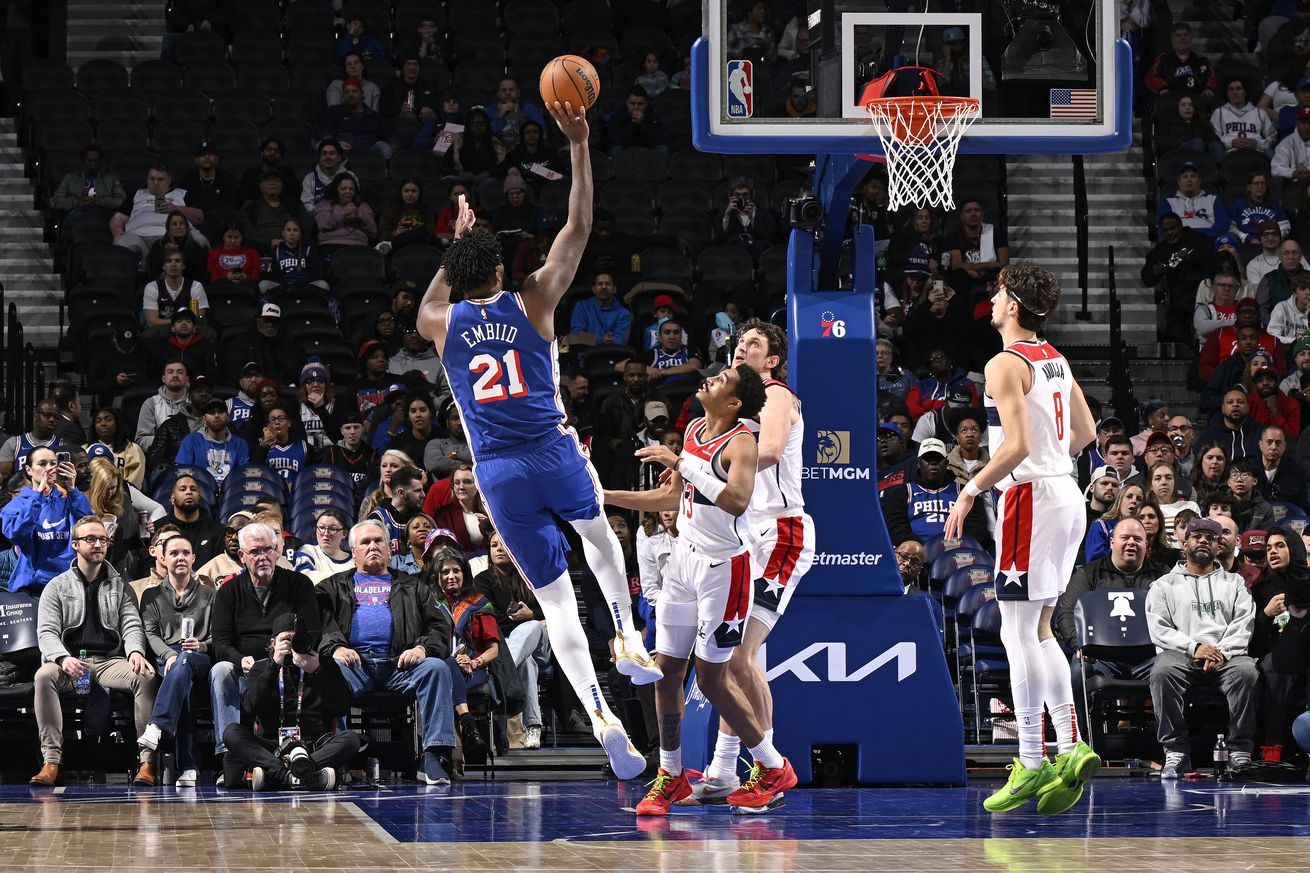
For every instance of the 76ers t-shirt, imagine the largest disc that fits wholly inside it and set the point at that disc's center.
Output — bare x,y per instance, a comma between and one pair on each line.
370,631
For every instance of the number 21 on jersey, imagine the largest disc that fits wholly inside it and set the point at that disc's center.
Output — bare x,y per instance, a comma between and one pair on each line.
493,374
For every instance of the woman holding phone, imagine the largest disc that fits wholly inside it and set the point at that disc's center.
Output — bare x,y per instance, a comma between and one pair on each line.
39,520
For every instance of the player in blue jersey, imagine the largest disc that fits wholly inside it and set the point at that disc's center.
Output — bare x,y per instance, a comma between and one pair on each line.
498,348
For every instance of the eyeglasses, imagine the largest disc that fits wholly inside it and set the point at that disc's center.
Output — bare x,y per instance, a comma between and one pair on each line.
1180,428
329,530
1208,537
94,540
260,551
908,560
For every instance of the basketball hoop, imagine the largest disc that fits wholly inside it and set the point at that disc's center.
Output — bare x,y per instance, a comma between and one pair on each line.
920,137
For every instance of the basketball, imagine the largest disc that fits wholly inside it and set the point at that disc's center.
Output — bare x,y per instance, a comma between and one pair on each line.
570,79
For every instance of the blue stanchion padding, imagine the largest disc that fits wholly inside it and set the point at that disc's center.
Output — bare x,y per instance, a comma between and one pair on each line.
867,672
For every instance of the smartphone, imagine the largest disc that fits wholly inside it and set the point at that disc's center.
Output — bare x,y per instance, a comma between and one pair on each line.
63,457
515,606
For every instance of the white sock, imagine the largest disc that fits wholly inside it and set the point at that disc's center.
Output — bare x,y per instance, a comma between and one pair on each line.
766,755
1058,696
568,642
671,760
724,766
1019,620
768,735
605,558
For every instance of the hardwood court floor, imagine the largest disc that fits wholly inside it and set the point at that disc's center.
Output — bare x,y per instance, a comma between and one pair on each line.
476,827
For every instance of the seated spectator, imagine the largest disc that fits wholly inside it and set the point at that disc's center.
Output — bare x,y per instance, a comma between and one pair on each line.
1288,320
673,362
477,639
269,348
181,659
1276,285
218,570
978,252
264,217
1238,124
413,555
1221,311
536,162
636,123
358,41
942,319
1291,163
386,632
476,153
1130,498
178,235
1250,212
1285,574
158,570
271,152
170,293
444,228
1181,69
351,453
895,460
1298,381
407,102
114,653
517,219
1161,450
1237,371
419,429
930,392
621,417
379,493
45,421
210,188
406,498
88,187
38,520
1242,340
108,429
1156,413
353,67
325,697
115,366
406,220
170,400
280,446
189,517
522,626
754,35
296,264
892,379
1270,255
342,218
463,514
243,619
185,344
1234,429
1230,554
234,261
1285,115
1174,267
417,354
1287,45
317,396
424,42
140,220
1101,492
1282,480
1228,259
327,554
331,164
1124,566
1198,209
1164,488
1201,645
375,381
745,223
933,423
918,508
1210,473
1186,128
607,321
512,112
214,447
1249,508
1271,406
353,125
1117,452
119,504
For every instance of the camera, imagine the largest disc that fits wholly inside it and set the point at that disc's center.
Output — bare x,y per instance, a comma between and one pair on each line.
1178,442
805,212
294,754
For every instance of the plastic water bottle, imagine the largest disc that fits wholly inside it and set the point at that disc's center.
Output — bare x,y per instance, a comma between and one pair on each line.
82,685
1220,756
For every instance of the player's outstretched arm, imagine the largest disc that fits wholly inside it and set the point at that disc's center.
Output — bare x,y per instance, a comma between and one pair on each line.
543,289
655,500
436,300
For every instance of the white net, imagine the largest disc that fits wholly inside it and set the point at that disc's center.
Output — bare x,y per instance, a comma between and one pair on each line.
920,138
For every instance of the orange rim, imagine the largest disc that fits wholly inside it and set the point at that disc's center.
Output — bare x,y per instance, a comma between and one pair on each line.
914,119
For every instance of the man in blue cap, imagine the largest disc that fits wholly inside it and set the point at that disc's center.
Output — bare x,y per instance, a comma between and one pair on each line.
1197,208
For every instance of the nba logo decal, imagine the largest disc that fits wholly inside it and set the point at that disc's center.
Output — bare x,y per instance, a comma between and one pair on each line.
741,100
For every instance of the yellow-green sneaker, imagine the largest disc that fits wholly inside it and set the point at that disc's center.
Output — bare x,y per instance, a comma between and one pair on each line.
1072,769
1022,786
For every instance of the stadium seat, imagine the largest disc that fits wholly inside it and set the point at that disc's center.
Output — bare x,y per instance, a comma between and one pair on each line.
307,16
1107,632
664,263
762,170
121,105
725,264
254,16
691,225
162,488
113,136
933,547
314,73
155,77
988,677
416,262
408,13
179,105
178,136
948,562
200,47
112,266
692,166
479,45
358,262
101,74
683,194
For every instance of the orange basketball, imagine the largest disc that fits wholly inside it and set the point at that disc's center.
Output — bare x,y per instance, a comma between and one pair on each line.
570,79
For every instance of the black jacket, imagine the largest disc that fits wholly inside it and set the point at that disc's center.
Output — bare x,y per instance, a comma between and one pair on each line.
415,618
1288,484
242,626
106,361
205,535
327,696
1101,573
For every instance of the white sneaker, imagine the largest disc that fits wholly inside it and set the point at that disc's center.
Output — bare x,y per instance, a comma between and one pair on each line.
532,737
1239,759
383,248
150,737
187,779
625,760
636,664
1175,765
710,792
322,780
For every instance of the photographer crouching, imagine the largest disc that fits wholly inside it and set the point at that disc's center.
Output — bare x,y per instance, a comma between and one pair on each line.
293,698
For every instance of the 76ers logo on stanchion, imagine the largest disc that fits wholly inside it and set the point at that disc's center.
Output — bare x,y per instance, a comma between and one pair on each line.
832,325
741,91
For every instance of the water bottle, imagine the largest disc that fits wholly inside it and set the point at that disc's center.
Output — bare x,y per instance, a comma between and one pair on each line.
82,685
1220,756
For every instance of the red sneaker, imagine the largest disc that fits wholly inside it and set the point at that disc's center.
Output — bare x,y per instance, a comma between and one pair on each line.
763,786
665,791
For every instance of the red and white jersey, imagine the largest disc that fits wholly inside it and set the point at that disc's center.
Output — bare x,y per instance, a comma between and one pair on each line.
778,489
1048,415
705,527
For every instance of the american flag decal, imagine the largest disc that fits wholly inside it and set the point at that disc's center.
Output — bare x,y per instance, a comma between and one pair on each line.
1073,102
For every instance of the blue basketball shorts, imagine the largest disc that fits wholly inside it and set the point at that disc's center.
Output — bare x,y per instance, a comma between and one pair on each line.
525,488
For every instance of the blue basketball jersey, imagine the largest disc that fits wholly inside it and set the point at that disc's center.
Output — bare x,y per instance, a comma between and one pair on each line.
929,508
26,444
505,377
286,461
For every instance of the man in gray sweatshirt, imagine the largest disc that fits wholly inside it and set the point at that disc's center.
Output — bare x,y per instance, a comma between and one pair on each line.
1201,617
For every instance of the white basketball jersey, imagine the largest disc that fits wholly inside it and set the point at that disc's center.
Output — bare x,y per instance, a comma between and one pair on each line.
1048,414
778,489
707,528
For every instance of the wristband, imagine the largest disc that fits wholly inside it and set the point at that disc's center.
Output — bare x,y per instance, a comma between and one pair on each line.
704,482
971,488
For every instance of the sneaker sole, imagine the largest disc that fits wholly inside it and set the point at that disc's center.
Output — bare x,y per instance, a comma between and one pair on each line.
718,797
1012,803
625,761
640,674
779,800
